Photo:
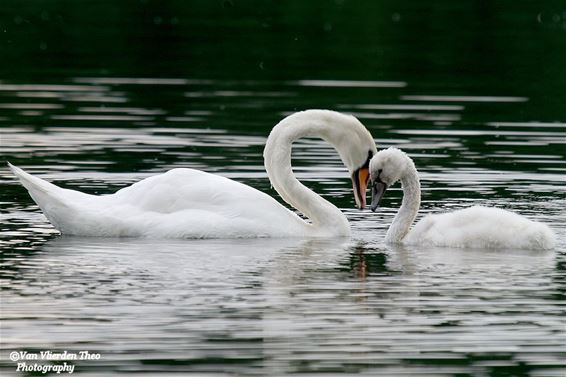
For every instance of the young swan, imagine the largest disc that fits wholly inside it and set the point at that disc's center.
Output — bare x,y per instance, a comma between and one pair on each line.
474,227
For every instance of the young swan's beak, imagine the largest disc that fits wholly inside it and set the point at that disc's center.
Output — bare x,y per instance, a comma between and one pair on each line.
377,190
360,180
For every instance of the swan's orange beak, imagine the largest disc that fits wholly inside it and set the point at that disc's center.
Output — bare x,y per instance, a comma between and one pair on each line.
360,180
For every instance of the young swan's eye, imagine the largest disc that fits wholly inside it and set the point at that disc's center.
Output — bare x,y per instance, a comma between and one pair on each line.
377,178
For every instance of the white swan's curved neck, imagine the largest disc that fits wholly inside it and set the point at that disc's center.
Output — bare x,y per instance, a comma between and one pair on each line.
409,207
324,216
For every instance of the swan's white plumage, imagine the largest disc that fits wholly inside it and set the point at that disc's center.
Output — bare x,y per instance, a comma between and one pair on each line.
181,203
188,203
474,227
480,227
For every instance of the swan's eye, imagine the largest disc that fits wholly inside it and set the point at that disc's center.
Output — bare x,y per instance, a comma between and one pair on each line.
378,178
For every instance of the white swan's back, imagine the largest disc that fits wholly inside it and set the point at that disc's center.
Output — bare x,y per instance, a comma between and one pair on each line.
182,203
481,227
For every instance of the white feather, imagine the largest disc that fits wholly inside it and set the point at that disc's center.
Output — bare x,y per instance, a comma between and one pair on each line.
481,227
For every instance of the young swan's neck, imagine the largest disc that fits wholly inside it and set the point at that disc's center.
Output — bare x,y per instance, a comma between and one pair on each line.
326,219
409,207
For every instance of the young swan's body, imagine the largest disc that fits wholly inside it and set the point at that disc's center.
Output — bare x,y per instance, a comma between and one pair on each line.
474,227
188,203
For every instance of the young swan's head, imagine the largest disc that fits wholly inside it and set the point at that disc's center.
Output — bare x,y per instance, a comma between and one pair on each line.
387,167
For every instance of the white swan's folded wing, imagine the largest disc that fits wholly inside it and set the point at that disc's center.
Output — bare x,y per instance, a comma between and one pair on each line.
180,203
481,227
195,204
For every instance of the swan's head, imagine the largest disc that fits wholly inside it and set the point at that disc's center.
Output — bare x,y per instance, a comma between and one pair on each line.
356,147
387,167
354,144
360,180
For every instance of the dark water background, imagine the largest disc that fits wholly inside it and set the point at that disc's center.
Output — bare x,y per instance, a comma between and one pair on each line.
95,95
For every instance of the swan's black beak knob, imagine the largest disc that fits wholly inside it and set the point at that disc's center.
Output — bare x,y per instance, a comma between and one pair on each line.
377,190
360,180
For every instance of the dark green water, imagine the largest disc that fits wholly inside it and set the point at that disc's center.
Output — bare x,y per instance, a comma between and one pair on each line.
95,95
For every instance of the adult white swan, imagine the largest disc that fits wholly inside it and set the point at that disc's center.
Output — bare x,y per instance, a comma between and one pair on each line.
474,227
188,203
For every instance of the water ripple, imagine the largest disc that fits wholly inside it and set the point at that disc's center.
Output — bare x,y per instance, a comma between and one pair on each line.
491,99
350,84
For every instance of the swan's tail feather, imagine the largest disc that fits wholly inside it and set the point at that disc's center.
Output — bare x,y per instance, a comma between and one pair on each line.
33,184
59,205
